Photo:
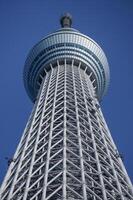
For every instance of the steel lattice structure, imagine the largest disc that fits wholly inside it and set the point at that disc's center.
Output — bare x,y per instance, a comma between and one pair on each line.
66,151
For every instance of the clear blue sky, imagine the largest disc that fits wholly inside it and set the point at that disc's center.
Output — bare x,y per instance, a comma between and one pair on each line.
24,23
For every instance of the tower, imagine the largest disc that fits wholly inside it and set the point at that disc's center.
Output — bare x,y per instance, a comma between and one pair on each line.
66,151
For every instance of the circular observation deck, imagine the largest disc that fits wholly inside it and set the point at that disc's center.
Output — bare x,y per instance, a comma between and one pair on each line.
66,43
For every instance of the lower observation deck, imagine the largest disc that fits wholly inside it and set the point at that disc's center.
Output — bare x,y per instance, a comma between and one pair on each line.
66,44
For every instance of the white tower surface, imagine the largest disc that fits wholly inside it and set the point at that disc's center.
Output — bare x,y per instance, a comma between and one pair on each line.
66,151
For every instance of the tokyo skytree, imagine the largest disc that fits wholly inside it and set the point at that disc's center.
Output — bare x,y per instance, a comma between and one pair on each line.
66,151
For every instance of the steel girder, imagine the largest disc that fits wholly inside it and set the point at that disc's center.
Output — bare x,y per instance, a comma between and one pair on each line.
66,151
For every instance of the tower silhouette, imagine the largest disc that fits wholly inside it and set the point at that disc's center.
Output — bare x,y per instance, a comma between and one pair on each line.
66,151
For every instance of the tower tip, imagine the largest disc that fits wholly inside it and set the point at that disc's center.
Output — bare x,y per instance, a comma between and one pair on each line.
66,20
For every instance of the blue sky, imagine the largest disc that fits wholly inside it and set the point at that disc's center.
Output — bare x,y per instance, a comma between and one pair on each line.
24,23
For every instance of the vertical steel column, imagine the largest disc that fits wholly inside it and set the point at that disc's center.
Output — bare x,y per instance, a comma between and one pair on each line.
50,138
94,143
64,139
35,146
120,161
21,159
79,138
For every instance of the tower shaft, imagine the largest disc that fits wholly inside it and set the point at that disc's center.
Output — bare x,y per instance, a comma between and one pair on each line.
66,151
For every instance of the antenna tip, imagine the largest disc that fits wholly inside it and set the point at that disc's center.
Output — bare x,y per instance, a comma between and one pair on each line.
66,20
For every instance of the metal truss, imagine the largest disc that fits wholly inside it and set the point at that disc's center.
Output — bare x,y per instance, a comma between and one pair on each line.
66,151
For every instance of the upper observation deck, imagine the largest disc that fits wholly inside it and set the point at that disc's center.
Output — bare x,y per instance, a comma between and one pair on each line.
66,43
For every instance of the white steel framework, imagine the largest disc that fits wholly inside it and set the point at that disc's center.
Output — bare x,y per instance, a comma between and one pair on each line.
66,151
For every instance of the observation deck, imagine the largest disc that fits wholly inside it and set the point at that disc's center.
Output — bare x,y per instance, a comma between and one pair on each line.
66,43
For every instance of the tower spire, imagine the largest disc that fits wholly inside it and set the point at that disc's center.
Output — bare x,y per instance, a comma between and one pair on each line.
66,20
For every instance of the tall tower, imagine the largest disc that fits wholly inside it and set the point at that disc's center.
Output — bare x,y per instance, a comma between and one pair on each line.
66,151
